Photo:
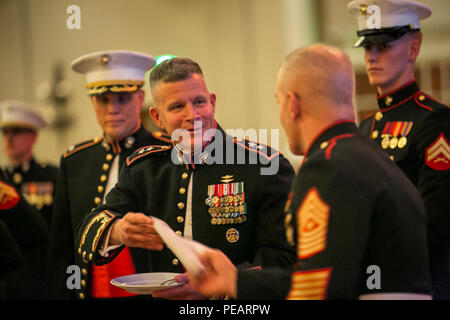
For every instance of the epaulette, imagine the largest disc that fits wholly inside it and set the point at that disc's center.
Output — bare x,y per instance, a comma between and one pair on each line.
81,146
145,151
265,150
162,136
427,102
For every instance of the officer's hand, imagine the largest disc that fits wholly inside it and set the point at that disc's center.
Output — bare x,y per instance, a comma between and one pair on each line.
136,230
183,292
219,278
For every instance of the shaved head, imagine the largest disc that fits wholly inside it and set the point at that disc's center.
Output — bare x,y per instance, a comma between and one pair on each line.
315,86
319,72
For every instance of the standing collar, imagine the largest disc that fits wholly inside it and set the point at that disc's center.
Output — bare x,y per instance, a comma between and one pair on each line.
394,98
335,129
191,160
22,168
126,143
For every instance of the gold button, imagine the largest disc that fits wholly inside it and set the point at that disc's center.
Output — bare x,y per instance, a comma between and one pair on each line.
178,232
100,189
421,97
374,134
97,200
109,157
105,167
175,262
103,178
378,116
84,254
180,219
184,176
180,205
388,101
81,296
17,178
83,283
79,250
323,145
182,190
392,157
90,256
84,271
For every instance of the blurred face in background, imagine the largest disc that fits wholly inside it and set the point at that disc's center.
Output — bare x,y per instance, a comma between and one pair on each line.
119,114
18,144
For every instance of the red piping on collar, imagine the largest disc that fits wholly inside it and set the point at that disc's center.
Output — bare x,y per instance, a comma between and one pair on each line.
400,103
323,130
333,143
396,90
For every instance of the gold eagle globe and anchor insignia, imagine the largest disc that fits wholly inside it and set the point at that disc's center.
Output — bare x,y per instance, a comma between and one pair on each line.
232,235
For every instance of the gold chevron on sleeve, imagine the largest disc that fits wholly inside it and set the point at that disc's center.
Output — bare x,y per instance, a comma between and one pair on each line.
312,219
310,284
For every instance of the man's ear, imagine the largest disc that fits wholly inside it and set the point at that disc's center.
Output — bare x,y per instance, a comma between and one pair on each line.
154,114
294,105
414,49
212,98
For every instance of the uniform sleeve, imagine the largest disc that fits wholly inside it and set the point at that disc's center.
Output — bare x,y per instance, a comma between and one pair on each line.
332,232
10,253
271,243
62,249
433,147
119,201
263,284
25,224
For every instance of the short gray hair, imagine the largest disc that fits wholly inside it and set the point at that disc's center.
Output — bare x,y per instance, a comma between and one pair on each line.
173,70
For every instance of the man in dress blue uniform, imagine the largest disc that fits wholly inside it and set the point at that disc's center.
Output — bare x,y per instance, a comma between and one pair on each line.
340,213
204,187
412,127
24,233
20,124
89,169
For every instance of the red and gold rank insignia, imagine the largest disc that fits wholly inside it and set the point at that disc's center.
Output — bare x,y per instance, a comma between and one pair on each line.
8,196
437,155
310,284
312,219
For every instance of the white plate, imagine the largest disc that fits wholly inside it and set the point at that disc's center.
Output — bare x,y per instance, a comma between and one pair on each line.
145,283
